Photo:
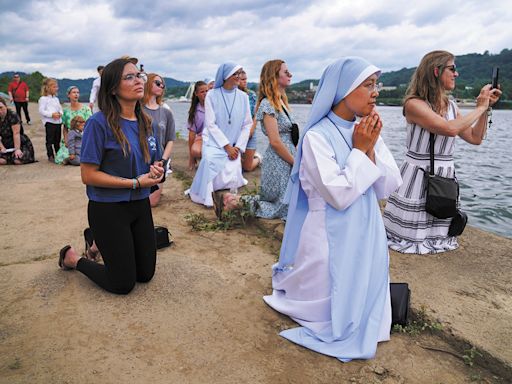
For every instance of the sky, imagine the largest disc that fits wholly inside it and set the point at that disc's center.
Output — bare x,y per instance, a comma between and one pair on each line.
188,40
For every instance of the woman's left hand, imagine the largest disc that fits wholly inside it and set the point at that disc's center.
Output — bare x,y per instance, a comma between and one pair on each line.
156,171
18,154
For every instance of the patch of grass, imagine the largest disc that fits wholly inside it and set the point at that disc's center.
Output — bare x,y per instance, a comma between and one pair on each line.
420,323
183,177
470,355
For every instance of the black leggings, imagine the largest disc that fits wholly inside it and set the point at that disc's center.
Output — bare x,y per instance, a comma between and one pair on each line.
125,236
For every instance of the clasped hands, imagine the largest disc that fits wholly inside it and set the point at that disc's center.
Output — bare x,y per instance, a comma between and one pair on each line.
488,97
232,152
154,176
366,133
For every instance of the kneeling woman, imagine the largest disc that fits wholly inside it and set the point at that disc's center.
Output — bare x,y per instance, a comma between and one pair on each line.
332,274
118,147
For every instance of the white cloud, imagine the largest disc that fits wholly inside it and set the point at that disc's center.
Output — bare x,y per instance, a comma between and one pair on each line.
187,40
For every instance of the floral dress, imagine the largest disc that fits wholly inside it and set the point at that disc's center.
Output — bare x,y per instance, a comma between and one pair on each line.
275,172
7,137
68,114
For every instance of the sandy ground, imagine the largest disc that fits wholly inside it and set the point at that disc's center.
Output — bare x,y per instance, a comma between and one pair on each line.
202,318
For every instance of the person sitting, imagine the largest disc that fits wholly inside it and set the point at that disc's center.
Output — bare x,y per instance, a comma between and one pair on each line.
75,140
76,108
196,123
163,121
226,131
15,147
332,277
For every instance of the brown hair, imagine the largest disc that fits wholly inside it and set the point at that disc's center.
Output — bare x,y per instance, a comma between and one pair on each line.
194,102
147,89
109,105
425,85
45,89
269,87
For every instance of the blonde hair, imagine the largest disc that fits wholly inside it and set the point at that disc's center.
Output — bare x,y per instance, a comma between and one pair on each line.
75,121
147,89
426,85
47,81
269,87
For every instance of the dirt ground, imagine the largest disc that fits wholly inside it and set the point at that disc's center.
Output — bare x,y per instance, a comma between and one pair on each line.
202,318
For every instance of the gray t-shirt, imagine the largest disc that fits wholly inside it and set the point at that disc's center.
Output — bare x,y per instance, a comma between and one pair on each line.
164,120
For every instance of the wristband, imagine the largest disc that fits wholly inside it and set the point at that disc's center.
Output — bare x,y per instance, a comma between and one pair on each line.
138,182
134,186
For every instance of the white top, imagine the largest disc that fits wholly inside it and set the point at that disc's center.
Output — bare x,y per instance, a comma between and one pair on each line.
47,106
94,90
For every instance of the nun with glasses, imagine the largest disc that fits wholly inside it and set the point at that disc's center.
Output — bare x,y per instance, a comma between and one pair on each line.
227,124
332,274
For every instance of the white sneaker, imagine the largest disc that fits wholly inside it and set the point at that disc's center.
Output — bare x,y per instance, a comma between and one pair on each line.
259,157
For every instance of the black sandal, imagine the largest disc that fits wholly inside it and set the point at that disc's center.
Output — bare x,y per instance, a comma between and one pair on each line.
218,203
62,255
89,240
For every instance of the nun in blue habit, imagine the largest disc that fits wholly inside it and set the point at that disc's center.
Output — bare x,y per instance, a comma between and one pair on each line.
332,274
227,124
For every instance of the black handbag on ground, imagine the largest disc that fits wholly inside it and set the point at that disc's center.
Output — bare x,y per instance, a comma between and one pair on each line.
400,303
162,237
295,129
458,224
442,192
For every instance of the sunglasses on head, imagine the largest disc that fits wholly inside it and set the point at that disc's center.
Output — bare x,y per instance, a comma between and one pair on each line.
160,84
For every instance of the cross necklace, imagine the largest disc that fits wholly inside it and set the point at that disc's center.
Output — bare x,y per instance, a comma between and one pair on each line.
226,105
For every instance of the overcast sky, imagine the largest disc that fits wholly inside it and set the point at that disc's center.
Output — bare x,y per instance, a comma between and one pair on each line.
187,39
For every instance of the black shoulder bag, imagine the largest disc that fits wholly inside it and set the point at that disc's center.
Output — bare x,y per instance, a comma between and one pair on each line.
295,129
442,197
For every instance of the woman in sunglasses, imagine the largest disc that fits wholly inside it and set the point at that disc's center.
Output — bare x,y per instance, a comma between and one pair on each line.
119,164
427,109
162,117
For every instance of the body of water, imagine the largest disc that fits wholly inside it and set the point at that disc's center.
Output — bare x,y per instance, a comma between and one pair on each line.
484,172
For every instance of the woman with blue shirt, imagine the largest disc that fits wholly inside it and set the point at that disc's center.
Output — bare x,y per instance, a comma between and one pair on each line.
119,164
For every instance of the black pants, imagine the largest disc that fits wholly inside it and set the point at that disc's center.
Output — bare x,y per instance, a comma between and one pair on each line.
24,105
125,236
53,134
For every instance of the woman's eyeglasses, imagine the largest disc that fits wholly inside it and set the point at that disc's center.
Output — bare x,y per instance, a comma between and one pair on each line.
132,76
373,87
159,84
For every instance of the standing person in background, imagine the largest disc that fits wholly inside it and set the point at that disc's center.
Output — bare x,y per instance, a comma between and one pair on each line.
427,109
250,159
227,126
93,97
51,116
154,91
75,109
195,123
19,93
119,165
332,276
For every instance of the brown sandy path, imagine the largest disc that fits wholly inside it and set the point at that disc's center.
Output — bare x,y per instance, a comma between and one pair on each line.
202,319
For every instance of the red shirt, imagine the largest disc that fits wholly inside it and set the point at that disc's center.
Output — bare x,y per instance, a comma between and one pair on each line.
21,90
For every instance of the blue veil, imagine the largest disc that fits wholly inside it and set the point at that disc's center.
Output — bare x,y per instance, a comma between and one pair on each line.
224,71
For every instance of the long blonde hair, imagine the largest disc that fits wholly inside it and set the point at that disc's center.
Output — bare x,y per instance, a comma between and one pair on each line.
426,85
45,88
269,86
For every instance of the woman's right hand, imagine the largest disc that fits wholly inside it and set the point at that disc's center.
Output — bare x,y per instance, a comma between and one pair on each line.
232,152
483,99
367,132
147,180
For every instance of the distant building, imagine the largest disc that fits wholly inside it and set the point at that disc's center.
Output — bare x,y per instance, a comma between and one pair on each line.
312,87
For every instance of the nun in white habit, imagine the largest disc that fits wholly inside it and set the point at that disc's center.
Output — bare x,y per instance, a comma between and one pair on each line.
332,274
227,124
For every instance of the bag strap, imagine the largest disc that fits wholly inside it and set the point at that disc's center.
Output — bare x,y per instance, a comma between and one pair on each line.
286,113
431,145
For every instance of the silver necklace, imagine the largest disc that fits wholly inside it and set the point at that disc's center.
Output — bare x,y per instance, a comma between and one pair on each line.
226,105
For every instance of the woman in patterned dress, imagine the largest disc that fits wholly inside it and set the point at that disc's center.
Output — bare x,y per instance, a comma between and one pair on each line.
76,108
273,114
427,109
12,137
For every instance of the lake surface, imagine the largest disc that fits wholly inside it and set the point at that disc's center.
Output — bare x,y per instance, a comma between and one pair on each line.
484,172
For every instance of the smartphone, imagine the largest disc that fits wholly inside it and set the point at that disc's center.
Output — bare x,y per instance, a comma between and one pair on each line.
495,74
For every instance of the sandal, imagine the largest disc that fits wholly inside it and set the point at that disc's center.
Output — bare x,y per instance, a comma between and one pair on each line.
89,240
62,255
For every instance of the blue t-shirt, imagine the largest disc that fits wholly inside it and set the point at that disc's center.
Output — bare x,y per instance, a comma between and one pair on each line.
99,146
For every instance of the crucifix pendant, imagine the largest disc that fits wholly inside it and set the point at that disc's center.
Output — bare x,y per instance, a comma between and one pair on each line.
229,121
